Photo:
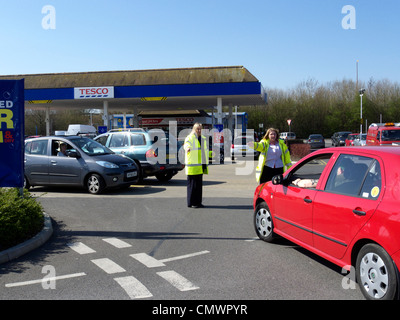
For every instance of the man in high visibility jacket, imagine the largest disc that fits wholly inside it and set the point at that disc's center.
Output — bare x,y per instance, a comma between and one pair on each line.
196,164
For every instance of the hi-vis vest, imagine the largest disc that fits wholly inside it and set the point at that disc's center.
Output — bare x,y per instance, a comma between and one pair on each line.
197,156
262,147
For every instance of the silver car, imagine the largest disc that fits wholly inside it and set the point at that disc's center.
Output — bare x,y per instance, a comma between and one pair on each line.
240,149
76,161
360,142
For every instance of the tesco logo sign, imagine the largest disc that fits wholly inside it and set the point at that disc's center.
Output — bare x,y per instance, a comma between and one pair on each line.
93,92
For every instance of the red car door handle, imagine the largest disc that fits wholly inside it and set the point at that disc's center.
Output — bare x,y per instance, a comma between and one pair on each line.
359,212
308,200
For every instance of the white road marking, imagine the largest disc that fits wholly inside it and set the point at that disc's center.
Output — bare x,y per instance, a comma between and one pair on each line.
177,280
117,243
147,260
108,265
25,283
80,248
133,287
185,256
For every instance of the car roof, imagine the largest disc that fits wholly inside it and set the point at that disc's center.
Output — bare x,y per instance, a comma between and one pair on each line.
377,150
55,137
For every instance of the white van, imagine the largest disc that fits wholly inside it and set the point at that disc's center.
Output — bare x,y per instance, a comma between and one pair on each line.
287,136
80,129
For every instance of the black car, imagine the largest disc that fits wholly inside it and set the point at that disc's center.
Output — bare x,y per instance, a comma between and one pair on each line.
339,138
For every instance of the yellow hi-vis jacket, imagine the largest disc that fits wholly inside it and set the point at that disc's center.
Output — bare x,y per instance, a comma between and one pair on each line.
196,157
262,147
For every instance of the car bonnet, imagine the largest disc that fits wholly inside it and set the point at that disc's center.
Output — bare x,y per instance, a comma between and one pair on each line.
114,158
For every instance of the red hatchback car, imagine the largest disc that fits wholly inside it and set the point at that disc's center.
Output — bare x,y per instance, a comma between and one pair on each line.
343,205
350,139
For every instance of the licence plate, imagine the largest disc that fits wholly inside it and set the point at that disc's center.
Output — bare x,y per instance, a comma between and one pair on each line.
170,156
131,174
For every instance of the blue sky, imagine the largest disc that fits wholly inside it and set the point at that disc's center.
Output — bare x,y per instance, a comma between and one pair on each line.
281,42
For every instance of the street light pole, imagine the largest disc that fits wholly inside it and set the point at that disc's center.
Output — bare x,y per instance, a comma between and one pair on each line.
356,74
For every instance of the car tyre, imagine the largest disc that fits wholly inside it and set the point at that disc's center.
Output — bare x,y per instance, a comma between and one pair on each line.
26,183
95,183
376,273
140,173
165,176
263,223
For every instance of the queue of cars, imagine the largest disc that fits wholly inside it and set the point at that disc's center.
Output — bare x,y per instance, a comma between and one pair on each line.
88,162
114,159
378,134
155,152
82,167
76,161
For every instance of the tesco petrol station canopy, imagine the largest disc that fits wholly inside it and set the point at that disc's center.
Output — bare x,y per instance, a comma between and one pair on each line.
163,89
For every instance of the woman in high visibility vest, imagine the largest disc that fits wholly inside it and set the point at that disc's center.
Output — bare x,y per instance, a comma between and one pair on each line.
196,164
274,156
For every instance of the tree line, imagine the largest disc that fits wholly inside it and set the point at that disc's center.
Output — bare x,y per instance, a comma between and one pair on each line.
327,108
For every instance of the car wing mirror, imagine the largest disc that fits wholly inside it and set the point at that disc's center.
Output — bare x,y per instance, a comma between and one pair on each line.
278,179
74,154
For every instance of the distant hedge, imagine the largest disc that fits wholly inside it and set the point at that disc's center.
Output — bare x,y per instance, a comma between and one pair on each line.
21,218
298,149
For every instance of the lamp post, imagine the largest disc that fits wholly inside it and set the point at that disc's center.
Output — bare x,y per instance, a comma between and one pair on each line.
361,121
357,74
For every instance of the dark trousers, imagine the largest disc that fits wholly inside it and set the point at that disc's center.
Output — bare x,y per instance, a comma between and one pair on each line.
268,173
194,190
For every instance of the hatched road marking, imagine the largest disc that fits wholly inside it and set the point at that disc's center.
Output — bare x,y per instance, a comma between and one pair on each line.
117,243
147,260
132,286
80,248
108,265
179,282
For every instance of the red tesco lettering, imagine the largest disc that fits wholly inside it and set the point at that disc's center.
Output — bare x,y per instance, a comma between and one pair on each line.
88,91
